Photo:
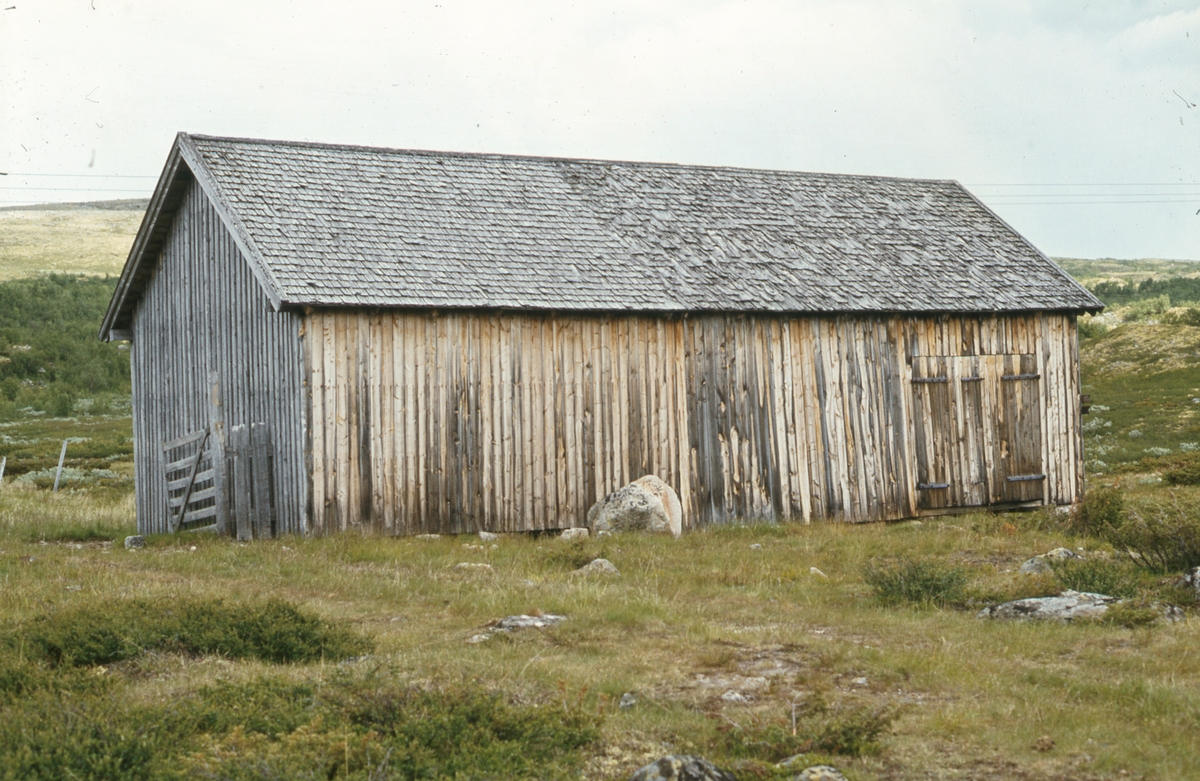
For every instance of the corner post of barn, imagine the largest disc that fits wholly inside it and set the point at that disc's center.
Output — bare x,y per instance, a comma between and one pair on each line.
216,422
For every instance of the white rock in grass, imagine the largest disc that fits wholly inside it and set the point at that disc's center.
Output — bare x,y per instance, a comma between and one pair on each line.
647,504
573,534
1068,606
1040,565
473,567
1192,580
819,773
597,567
1037,566
512,623
135,541
488,536
427,537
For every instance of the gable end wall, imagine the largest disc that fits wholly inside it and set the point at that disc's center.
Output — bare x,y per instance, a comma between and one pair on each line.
203,310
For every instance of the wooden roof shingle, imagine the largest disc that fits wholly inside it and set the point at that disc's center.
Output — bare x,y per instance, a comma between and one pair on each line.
331,225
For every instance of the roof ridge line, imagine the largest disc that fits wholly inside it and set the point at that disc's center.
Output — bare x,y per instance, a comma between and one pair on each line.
555,159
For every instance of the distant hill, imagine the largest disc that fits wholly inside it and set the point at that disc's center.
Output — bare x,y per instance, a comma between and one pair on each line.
1092,272
74,238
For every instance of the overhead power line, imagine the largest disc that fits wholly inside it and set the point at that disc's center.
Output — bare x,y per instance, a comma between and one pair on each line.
79,176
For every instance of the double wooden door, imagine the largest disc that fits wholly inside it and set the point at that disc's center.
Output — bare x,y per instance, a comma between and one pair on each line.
977,429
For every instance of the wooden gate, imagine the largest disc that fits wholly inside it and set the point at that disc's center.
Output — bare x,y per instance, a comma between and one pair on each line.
977,430
228,489
191,483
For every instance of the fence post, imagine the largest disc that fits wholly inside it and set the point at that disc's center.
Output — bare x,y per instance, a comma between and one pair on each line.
58,475
3,463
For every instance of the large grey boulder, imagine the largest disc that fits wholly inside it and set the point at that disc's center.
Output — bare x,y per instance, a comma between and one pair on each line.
682,768
646,504
1068,606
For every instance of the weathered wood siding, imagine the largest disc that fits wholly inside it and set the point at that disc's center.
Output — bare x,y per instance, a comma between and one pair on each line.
427,422
202,310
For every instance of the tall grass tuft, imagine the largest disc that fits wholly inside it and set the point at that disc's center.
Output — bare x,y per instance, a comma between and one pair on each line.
918,581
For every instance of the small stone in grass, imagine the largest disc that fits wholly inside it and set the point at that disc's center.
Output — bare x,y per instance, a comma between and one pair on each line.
574,534
628,700
1043,744
819,773
756,546
427,537
135,541
597,567
488,536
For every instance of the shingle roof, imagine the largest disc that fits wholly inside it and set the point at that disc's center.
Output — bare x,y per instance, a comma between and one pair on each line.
337,225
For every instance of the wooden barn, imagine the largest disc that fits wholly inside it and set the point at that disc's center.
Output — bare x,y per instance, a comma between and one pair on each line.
329,337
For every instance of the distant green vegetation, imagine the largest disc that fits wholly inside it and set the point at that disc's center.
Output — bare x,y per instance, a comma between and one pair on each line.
50,356
1175,289
1092,272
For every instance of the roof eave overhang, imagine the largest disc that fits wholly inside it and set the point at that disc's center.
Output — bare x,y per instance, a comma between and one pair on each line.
184,165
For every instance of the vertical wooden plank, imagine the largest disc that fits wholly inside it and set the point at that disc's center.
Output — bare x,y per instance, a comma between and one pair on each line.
261,489
239,446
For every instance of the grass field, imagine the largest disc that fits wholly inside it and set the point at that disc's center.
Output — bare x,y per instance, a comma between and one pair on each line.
75,239
717,640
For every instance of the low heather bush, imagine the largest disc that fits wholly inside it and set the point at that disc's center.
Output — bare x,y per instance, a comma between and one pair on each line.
918,581
1096,576
272,631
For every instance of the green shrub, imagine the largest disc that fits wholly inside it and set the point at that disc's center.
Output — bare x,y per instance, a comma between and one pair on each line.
1162,534
52,736
1096,576
59,402
1186,316
1184,469
94,531
919,581
272,631
1148,307
1101,510
1090,328
1130,615
848,729
358,728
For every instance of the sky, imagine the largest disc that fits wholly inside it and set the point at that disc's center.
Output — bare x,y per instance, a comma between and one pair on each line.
1076,122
